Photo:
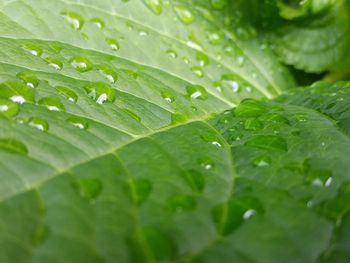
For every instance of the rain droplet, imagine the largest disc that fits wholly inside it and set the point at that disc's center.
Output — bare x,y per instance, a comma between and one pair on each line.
154,5
214,37
230,82
112,43
196,92
100,92
8,108
38,123
183,13
78,122
301,117
33,49
54,63
168,96
108,72
13,146
97,22
29,78
206,163
171,53
198,71
262,161
67,93
88,188
74,19
51,103
16,92
202,59
81,64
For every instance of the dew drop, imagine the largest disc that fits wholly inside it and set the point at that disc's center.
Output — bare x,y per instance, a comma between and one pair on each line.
214,37
171,53
184,14
230,82
54,63
51,103
248,214
16,92
100,92
206,163
29,78
81,64
154,5
262,161
33,49
67,93
301,117
97,22
196,92
108,72
78,122
74,19
198,71
202,59
112,43
38,123
168,96
8,109
88,188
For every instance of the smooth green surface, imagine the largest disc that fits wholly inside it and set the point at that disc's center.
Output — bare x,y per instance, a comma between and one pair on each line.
118,142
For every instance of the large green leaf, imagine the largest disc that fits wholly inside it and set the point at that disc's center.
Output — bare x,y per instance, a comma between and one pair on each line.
110,150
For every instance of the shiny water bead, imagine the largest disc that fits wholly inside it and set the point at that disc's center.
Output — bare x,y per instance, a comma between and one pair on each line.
108,72
67,93
8,109
29,78
16,92
183,13
100,92
113,44
78,122
196,92
74,19
198,71
33,49
168,96
97,22
81,64
54,63
51,103
155,6
38,123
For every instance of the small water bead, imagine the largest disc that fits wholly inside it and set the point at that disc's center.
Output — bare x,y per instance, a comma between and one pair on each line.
108,72
29,78
180,203
54,63
240,60
112,43
202,59
88,188
171,53
143,33
74,19
168,96
206,163
16,92
262,161
78,122
301,117
98,22
196,92
100,92
67,93
248,214
33,49
81,64
38,123
186,60
154,5
194,43
51,103
183,13
214,37
230,81
13,146
8,109
198,71
236,136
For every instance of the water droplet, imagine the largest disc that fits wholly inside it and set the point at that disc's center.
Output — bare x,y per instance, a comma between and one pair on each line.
202,59
180,203
78,122
253,124
51,103
206,163
138,190
108,72
81,64
88,188
33,49
98,22
186,60
268,142
236,136
143,33
13,146
230,215
8,109
214,37
112,43
194,43
230,82
16,92
301,117
100,92
196,92
183,13
240,60
38,123
67,93
168,96
29,78
218,4
154,5
198,71
262,161
74,19
194,179
54,63
171,53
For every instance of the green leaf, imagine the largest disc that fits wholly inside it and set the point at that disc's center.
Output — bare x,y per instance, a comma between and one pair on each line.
118,142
